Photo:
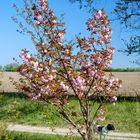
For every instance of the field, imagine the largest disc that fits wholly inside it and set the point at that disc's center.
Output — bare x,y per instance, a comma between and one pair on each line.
16,108
131,83
130,86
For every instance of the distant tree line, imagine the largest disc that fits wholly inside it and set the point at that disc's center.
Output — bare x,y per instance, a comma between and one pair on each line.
123,70
12,67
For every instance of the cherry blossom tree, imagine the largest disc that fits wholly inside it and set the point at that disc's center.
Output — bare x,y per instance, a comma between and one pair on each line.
60,69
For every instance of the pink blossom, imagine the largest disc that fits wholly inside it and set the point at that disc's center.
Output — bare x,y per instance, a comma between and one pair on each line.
98,15
54,71
61,35
99,88
43,1
45,51
107,63
80,80
37,22
30,75
67,51
50,62
108,88
120,86
51,77
79,83
44,7
23,58
91,26
44,4
83,63
54,22
113,99
44,79
63,86
91,72
101,111
28,56
36,96
36,66
39,16
100,118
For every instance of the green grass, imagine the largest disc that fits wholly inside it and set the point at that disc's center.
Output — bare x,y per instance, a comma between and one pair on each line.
125,116
17,108
35,136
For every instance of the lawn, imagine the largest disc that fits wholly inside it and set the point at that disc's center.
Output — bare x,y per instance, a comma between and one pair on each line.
34,136
17,108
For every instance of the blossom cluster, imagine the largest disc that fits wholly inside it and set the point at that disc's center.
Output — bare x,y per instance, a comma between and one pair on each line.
30,61
48,21
43,4
99,24
103,58
43,79
101,114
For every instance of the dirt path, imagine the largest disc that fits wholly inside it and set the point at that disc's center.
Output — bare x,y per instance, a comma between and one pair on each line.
65,131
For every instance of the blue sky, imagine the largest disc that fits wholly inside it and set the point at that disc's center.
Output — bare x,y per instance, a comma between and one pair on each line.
11,42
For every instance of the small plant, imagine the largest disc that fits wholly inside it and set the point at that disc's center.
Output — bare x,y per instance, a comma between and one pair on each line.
3,132
52,75
13,110
3,127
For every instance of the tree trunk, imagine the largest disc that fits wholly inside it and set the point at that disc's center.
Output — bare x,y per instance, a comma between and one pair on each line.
89,135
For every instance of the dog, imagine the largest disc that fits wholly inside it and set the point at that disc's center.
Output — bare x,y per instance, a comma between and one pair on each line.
103,130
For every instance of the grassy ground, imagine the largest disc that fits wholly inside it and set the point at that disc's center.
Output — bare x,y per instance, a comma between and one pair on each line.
31,136
18,109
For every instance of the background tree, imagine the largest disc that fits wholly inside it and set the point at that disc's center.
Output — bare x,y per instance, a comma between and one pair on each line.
85,3
1,68
11,67
51,75
128,13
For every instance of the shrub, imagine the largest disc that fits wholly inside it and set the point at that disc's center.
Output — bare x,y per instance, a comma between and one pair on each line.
51,75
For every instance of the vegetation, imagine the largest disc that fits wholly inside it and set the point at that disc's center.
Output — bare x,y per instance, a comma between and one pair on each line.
49,74
1,68
34,136
17,108
12,67
123,70
128,12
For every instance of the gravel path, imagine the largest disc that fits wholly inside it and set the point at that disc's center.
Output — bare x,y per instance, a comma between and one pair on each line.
65,131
